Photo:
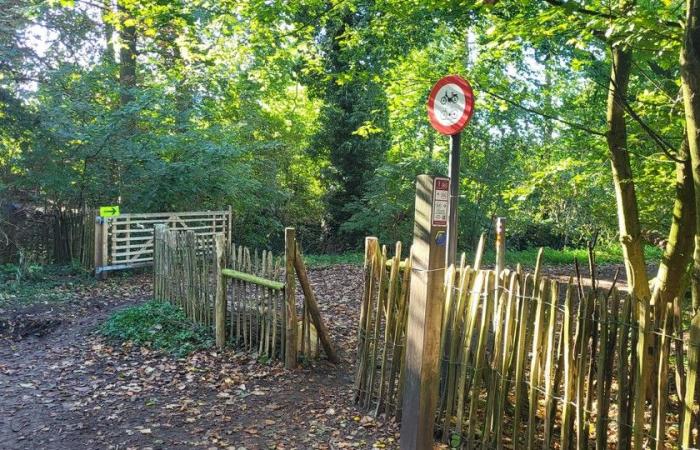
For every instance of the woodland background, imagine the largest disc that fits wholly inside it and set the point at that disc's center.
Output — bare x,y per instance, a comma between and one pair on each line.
312,113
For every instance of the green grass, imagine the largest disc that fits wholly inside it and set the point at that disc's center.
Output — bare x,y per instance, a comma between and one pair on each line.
552,257
611,254
316,261
157,325
40,284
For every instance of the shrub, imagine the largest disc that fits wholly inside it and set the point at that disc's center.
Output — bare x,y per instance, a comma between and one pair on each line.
158,325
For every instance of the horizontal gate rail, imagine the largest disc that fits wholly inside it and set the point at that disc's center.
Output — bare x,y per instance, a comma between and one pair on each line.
264,282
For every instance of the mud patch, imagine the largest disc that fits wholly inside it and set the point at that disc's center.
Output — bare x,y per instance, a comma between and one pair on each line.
24,327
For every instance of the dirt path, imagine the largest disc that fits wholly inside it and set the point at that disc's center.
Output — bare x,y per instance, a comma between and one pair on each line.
68,389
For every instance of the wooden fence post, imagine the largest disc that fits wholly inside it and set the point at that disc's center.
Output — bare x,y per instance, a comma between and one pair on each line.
229,231
290,351
220,299
691,381
424,316
98,244
500,245
159,231
101,247
500,253
312,306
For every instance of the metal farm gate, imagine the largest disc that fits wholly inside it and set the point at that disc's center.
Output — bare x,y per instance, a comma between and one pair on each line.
126,241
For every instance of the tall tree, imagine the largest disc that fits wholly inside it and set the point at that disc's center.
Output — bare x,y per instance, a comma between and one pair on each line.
353,132
627,206
127,52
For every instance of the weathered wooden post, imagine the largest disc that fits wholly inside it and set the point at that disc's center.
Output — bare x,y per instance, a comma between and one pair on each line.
290,351
229,230
314,311
101,247
425,313
220,299
159,231
500,260
98,244
500,245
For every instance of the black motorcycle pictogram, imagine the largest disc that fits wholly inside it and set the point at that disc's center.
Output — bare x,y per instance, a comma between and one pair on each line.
449,97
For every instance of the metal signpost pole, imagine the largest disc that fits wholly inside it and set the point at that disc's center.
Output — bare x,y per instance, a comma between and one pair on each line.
453,175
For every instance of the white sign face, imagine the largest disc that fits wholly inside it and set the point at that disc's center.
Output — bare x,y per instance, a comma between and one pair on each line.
450,103
441,201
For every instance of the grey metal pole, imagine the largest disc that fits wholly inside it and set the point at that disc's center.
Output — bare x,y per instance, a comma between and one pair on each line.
454,199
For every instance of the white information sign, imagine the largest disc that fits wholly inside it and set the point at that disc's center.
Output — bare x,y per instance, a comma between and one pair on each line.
441,201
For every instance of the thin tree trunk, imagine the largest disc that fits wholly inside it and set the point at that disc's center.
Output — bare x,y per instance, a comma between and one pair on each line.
109,31
679,249
627,209
690,84
127,55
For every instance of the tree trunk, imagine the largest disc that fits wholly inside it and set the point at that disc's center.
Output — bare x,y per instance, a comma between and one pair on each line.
109,31
690,84
679,249
627,209
127,55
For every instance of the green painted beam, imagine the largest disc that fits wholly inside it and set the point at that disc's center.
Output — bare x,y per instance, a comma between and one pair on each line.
230,273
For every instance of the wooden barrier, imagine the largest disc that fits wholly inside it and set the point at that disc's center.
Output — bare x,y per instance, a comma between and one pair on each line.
127,241
562,371
236,292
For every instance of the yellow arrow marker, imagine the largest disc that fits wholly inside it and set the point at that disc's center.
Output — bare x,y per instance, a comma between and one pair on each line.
109,211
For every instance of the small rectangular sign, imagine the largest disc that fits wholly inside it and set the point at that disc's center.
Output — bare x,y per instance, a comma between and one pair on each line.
109,211
441,201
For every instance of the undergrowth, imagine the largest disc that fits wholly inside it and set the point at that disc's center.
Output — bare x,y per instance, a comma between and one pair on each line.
23,285
551,257
527,258
157,325
316,261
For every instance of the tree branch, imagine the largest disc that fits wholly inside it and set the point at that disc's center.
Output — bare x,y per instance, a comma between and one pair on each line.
594,13
573,125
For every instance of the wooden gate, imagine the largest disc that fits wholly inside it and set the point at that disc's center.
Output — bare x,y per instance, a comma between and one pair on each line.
126,241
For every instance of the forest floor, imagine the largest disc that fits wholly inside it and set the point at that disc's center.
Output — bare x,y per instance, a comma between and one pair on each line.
62,386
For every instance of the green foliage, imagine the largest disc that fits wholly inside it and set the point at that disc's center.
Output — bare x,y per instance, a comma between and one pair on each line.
609,254
312,114
22,285
333,259
158,325
606,254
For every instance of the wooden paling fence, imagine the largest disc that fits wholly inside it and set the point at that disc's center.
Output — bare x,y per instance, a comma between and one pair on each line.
73,232
53,236
543,364
239,294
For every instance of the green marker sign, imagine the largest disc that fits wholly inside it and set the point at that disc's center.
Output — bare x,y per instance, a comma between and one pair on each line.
109,211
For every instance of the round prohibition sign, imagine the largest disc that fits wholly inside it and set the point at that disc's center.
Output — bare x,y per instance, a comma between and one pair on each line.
450,104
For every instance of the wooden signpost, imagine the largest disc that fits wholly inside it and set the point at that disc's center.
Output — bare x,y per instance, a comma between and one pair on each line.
425,314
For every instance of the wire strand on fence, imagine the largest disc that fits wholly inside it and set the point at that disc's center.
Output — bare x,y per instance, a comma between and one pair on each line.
527,295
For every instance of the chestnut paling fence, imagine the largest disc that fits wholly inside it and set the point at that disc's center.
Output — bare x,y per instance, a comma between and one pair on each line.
533,362
238,294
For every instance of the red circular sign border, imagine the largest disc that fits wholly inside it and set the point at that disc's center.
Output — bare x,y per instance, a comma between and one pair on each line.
468,105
